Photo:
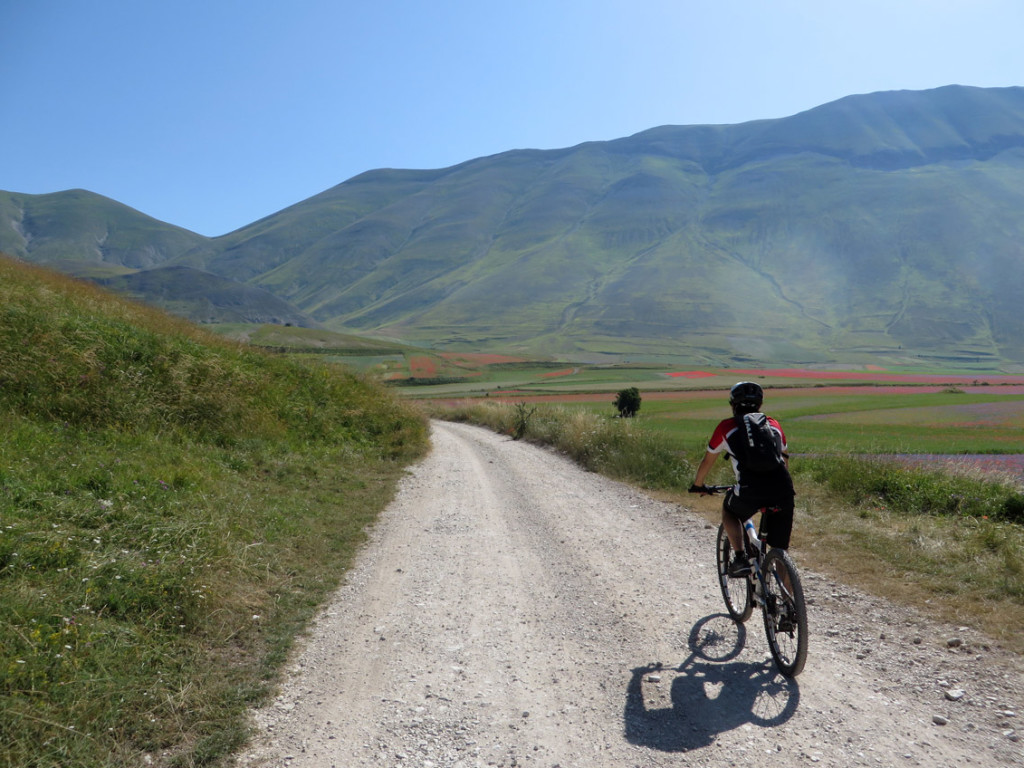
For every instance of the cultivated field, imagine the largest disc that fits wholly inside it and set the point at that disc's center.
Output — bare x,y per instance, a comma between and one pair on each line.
864,410
822,412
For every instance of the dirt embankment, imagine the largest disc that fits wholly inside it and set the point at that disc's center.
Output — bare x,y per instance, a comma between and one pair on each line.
513,610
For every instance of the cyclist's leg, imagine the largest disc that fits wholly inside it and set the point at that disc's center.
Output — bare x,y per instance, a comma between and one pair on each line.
778,527
778,523
734,513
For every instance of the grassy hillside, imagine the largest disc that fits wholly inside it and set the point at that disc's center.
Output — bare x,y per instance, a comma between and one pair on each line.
881,228
172,508
81,226
884,228
204,297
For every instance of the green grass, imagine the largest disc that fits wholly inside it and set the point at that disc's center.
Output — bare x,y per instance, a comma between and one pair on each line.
173,507
876,420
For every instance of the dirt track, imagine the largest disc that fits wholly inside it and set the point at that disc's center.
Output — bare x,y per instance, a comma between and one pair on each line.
513,610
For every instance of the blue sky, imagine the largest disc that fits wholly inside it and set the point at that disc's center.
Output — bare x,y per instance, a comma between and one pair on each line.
211,114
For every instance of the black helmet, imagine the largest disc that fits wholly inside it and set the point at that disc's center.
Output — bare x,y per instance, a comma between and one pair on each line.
746,397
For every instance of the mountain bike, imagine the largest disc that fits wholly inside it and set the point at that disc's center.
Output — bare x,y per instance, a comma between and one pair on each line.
773,584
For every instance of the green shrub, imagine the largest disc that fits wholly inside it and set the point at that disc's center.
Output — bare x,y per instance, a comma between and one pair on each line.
521,426
627,402
913,490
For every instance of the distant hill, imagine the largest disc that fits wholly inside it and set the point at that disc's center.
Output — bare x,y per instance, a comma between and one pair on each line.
205,297
882,228
90,236
85,227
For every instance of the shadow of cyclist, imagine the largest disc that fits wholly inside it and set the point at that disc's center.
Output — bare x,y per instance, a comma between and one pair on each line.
707,694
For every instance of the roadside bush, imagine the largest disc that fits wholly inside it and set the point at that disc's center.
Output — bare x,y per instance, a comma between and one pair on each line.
614,447
914,491
522,420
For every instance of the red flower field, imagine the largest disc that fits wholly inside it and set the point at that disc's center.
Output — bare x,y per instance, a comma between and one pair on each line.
423,366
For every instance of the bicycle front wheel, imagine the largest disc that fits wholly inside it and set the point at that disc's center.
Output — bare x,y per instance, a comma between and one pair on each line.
736,591
785,614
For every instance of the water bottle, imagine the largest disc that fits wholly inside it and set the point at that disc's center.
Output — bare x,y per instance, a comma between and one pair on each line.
751,531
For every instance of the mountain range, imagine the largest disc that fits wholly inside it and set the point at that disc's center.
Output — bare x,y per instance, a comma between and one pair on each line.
885,228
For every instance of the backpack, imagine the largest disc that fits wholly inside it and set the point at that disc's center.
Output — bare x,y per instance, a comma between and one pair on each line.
761,447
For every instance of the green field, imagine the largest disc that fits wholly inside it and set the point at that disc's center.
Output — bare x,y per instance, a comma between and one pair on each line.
838,420
871,421
861,411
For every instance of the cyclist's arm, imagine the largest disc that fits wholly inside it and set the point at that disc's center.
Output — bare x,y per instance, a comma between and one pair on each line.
705,467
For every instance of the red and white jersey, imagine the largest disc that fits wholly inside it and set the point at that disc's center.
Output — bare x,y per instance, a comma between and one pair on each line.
726,439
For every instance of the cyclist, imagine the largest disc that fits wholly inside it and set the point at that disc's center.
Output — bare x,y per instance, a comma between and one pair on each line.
760,481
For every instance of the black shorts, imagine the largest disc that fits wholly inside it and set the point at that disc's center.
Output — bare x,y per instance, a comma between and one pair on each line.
778,517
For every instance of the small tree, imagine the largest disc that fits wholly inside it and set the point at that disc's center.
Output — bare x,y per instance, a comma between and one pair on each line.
628,402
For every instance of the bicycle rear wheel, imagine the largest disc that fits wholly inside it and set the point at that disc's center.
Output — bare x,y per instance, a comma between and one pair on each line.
736,591
785,614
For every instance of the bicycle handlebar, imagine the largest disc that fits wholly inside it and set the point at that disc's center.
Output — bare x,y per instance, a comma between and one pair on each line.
709,489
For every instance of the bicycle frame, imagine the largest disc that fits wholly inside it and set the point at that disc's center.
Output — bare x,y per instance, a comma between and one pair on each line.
756,548
773,585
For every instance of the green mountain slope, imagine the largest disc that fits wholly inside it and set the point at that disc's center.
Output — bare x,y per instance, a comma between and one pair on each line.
204,297
877,225
878,228
90,236
85,227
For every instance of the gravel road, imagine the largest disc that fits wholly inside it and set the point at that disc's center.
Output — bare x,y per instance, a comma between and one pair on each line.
514,610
